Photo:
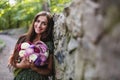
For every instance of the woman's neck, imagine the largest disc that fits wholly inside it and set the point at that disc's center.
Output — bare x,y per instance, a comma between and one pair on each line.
37,38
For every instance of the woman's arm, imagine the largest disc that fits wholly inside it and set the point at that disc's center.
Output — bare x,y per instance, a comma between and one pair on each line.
24,63
10,59
13,56
45,71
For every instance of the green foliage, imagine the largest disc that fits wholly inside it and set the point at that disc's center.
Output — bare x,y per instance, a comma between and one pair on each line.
58,5
2,44
21,13
18,15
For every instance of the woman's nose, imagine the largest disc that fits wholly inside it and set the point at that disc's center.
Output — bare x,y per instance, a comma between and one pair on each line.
39,24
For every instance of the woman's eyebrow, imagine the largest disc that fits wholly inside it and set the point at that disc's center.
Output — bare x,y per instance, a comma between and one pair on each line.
44,21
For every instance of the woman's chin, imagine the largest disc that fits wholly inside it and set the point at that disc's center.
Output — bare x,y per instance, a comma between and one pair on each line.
38,32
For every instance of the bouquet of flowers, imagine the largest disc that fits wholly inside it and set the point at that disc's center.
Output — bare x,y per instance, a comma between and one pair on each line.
38,52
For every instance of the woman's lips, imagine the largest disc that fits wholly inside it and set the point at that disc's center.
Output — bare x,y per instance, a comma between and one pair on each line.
39,29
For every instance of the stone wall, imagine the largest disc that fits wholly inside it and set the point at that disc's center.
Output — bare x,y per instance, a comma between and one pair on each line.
87,42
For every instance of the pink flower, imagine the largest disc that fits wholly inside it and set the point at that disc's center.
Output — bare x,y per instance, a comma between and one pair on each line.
36,52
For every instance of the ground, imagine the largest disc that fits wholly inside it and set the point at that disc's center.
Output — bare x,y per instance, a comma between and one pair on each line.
5,74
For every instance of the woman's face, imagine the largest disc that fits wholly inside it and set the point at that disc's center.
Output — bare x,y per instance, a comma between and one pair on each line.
40,24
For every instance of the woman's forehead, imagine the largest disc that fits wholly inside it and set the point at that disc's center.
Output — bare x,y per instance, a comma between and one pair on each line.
42,18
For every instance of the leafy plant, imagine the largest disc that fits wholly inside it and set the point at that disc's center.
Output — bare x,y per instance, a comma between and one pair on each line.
22,12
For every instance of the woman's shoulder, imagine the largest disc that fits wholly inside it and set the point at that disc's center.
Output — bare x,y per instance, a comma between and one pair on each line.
50,45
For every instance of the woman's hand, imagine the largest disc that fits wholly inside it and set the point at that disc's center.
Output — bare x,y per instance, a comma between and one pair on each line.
32,66
24,63
44,71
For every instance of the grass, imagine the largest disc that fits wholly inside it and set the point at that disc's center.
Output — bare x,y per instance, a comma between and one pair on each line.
2,44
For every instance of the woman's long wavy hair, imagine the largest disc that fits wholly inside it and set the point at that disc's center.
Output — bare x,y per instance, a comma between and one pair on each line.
31,35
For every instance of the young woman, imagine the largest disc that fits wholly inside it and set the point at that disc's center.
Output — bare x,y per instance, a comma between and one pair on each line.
40,30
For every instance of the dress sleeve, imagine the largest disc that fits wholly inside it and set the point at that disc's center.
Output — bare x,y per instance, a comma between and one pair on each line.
50,45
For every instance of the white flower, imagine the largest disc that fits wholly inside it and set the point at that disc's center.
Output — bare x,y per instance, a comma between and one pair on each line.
32,57
25,45
46,54
21,53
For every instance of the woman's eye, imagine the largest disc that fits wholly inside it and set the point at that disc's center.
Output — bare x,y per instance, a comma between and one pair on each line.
44,23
